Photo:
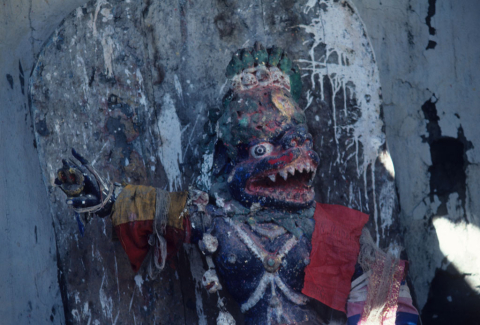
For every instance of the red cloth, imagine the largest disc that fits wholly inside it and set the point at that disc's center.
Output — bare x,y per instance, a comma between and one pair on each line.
134,238
335,247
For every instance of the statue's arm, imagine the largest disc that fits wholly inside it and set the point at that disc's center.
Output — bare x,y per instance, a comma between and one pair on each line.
86,192
147,218
144,218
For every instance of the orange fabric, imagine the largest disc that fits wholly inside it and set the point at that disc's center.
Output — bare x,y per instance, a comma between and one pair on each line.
335,248
135,203
178,201
133,216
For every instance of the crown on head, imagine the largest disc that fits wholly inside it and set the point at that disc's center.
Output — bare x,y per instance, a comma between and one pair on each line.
260,67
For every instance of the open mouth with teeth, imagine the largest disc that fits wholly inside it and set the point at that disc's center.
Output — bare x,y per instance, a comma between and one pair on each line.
292,183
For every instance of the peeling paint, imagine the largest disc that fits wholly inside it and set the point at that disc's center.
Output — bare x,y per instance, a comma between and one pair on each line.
170,151
106,302
348,60
138,282
197,270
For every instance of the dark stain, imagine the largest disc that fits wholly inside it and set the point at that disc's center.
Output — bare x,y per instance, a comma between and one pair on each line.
411,40
62,281
35,143
117,129
282,17
46,93
183,7
431,45
112,99
410,8
21,77
41,128
348,6
146,8
59,39
447,172
92,78
36,235
430,14
430,112
159,69
10,80
451,300
29,100
105,79
224,25
52,315
449,159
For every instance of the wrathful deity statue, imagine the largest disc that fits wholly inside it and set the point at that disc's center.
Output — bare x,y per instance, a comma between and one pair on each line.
283,257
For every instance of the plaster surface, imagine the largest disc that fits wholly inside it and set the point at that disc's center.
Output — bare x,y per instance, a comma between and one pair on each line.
29,286
131,87
431,92
411,76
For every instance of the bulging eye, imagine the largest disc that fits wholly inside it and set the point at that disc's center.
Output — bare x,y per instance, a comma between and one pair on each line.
261,149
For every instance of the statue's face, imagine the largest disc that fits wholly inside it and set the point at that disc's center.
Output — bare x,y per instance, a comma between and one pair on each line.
275,164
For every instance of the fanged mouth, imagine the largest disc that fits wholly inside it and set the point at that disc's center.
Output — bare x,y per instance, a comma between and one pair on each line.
292,183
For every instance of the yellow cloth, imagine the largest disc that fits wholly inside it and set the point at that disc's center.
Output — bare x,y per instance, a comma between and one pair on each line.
137,203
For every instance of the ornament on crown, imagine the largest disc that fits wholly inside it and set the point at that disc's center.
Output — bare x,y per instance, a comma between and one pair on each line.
259,67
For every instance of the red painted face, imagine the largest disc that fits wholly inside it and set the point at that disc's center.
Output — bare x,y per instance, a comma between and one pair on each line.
275,163
286,168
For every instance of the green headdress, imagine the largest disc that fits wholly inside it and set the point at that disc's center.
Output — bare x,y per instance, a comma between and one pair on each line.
259,67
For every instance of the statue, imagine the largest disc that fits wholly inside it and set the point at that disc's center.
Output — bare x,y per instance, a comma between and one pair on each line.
283,257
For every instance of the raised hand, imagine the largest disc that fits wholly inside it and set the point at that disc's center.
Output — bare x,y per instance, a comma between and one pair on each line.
76,184
83,194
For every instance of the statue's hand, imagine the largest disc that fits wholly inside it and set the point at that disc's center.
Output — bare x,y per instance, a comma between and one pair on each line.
76,184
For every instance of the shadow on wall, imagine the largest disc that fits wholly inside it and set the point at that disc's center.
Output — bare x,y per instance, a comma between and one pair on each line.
453,295
452,298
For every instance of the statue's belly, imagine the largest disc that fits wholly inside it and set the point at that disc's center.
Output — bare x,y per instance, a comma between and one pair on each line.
264,276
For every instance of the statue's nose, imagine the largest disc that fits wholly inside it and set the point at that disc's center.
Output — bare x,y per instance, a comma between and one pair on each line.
297,137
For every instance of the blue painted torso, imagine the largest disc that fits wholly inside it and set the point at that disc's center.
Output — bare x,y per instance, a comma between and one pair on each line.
266,283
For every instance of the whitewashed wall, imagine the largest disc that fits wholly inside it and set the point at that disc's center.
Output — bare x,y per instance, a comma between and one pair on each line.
441,230
411,76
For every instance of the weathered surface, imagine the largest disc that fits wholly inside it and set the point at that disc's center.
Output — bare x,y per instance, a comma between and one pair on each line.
130,86
29,290
430,90
409,72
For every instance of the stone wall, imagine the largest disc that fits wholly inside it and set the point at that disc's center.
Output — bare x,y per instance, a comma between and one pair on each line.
29,286
428,66
427,63
132,87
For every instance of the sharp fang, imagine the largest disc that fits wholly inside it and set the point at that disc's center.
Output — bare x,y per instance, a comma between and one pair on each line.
272,177
300,168
308,168
291,170
283,174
